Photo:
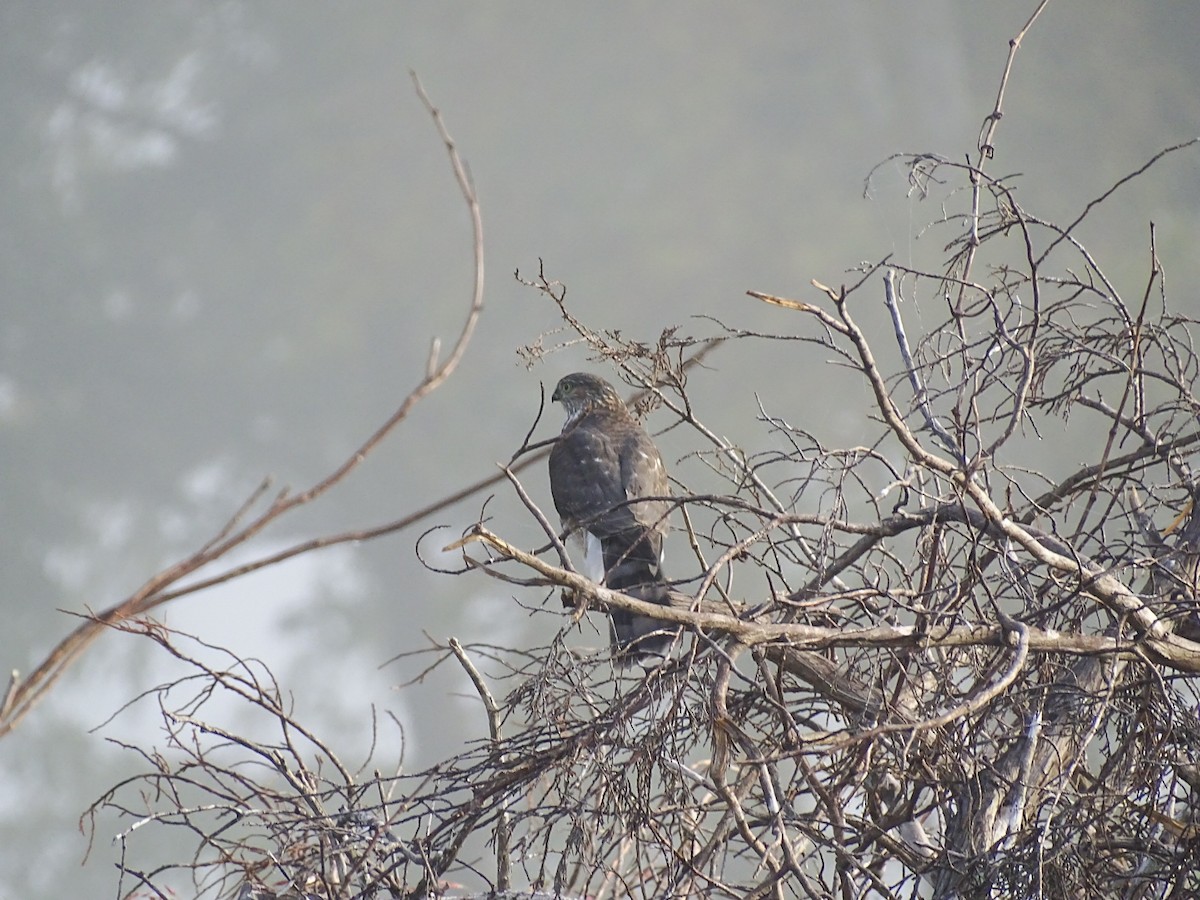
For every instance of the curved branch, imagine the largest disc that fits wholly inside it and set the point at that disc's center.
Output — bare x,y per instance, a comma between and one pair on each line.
1176,652
26,693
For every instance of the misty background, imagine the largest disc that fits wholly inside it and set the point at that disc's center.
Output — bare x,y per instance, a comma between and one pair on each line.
230,232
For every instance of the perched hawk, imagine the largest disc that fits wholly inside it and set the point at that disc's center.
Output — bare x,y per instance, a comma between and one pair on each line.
600,468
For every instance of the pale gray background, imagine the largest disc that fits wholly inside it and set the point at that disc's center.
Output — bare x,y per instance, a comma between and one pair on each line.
229,232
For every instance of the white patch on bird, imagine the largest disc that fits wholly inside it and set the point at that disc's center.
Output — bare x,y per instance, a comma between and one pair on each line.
593,559
589,556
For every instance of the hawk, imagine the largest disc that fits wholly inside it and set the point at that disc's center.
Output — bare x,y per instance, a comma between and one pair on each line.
601,468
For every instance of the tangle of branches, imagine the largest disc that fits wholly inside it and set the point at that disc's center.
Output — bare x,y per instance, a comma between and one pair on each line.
917,667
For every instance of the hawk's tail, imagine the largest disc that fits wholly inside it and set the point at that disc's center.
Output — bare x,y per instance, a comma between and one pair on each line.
632,566
642,639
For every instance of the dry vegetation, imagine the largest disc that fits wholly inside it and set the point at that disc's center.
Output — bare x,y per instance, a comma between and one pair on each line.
917,667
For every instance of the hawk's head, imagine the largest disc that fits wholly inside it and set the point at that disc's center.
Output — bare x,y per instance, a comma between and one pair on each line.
580,393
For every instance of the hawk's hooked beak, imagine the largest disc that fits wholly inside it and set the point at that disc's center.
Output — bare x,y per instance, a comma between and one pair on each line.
557,395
